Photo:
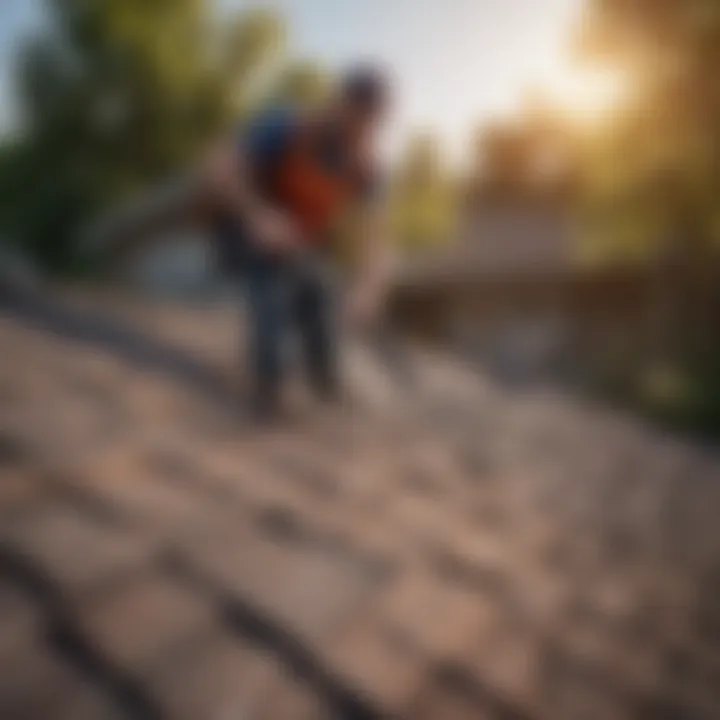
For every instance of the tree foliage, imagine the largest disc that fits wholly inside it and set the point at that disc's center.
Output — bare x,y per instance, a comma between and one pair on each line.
654,174
653,178
535,158
118,94
423,198
303,84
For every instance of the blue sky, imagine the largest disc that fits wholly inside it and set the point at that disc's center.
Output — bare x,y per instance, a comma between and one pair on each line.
17,19
455,62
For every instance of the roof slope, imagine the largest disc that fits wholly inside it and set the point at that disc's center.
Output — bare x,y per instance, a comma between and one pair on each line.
456,553
502,242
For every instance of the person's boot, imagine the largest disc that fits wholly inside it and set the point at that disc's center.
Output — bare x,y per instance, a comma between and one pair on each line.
265,405
330,390
325,385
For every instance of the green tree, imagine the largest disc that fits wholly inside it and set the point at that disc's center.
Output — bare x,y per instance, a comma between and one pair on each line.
653,180
534,157
119,94
423,201
654,174
303,84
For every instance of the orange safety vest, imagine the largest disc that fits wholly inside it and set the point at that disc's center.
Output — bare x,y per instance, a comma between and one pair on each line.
314,194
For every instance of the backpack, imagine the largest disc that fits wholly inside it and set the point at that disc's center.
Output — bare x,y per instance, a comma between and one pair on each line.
311,185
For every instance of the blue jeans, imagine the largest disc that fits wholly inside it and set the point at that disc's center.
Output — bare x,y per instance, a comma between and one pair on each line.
283,299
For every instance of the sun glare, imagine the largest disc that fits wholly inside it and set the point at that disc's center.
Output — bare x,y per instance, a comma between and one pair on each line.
585,95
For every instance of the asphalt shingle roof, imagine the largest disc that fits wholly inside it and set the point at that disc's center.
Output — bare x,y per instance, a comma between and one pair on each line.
461,552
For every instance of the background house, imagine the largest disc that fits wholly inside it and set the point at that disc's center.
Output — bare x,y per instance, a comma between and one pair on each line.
510,292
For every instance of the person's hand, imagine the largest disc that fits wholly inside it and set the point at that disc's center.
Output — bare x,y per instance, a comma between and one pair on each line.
274,232
362,309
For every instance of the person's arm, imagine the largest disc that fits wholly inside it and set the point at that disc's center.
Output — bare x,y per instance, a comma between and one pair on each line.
228,179
375,267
